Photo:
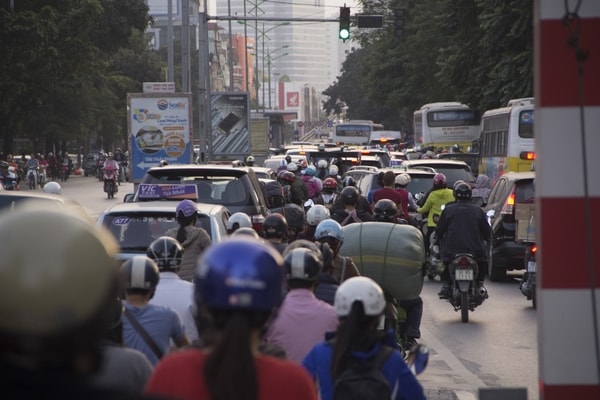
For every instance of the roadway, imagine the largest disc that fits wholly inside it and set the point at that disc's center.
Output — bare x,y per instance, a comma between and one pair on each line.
497,348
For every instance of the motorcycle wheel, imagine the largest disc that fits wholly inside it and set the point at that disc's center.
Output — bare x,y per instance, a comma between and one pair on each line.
31,182
464,306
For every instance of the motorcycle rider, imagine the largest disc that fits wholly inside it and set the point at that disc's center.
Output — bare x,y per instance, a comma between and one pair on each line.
329,193
32,166
302,320
299,189
438,196
385,210
121,160
462,228
275,228
351,210
8,178
110,166
238,220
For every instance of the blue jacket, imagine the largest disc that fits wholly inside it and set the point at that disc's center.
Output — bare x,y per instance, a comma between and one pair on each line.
402,381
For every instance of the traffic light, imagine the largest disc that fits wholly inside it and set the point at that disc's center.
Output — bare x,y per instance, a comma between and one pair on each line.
344,23
399,17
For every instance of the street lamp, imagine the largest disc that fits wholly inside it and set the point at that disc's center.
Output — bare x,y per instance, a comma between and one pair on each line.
263,34
269,63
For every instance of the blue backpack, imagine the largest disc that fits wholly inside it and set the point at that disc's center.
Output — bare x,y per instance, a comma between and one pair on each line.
364,380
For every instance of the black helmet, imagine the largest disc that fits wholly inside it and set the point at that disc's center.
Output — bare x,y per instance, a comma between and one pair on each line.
463,191
303,264
385,210
275,226
167,252
349,195
294,214
140,272
349,181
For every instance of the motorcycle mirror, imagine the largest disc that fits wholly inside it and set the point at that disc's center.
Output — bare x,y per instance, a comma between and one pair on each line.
309,203
418,357
443,207
491,213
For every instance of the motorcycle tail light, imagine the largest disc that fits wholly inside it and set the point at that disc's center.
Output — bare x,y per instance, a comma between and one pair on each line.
257,222
464,262
533,249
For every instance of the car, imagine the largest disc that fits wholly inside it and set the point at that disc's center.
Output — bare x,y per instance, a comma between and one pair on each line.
236,188
273,162
454,170
503,252
470,158
10,199
136,225
264,173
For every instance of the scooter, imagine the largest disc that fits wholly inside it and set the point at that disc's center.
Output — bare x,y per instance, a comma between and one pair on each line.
32,177
528,283
10,181
110,182
465,295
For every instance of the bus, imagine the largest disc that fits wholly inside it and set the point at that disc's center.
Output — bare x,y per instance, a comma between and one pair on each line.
445,125
506,140
355,132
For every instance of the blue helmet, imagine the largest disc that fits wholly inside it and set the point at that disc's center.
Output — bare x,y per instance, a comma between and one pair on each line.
310,170
240,273
329,228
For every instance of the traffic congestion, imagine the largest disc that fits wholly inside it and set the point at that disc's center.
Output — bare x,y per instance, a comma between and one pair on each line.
355,221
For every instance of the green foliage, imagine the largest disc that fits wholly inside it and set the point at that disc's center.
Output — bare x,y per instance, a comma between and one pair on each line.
67,66
479,52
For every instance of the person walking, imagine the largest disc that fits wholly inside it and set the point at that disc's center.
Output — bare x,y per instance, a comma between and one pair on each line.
193,239
239,281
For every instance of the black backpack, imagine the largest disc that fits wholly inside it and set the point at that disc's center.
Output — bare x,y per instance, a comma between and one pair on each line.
364,381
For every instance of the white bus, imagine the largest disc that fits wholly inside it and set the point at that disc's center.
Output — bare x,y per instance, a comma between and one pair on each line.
445,125
354,132
506,142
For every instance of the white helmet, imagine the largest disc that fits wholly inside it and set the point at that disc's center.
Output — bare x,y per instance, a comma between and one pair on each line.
322,164
250,159
333,170
239,218
292,167
359,288
52,187
402,179
316,214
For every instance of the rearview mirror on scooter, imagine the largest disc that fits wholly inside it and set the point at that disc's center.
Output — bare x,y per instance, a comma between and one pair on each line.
417,359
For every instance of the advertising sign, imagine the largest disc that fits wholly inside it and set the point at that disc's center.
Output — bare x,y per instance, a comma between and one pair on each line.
160,127
230,116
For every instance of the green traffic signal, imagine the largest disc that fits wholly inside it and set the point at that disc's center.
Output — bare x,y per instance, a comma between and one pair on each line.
344,32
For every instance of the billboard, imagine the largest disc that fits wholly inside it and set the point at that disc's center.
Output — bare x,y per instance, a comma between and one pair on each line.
160,128
230,123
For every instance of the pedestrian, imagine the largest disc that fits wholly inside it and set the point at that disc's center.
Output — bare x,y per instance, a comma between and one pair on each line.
55,304
239,281
172,291
194,239
147,327
359,304
302,319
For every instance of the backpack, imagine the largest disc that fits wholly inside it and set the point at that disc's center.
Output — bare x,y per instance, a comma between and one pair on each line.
364,380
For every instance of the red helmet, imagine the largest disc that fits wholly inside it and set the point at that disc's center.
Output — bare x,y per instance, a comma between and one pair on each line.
288,176
329,183
439,179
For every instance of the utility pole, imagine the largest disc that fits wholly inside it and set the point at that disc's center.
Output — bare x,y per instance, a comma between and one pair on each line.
170,63
185,46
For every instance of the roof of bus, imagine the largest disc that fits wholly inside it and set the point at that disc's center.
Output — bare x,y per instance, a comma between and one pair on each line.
506,110
444,104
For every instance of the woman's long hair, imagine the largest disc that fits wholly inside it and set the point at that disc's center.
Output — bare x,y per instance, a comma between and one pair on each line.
356,332
183,222
230,368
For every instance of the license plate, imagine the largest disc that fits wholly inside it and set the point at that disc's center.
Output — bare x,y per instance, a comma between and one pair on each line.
531,266
464,274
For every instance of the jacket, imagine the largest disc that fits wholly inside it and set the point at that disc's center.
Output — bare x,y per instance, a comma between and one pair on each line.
433,204
395,370
463,227
196,242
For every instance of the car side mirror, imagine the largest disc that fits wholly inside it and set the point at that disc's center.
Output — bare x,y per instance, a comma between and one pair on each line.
128,198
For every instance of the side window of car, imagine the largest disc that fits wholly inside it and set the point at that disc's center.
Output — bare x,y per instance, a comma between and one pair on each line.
496,192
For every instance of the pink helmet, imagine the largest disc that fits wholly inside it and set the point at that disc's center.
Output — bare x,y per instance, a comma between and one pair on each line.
439,179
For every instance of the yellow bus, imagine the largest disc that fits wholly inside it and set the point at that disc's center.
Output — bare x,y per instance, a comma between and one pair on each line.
506,139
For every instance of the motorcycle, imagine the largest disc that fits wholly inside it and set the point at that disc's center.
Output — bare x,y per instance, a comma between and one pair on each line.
433,264
110,182
42,175
32,177
528,285
465,295
9,181
64,172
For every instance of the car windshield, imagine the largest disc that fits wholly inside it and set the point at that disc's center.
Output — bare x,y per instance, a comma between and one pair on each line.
135,231
456,173
419,183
